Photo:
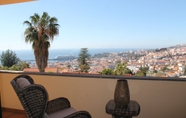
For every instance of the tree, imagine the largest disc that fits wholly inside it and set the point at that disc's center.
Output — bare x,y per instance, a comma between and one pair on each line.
164,68
155,71
121,69
20,66
107,71
9,58
40,31
68,66
184,70
142,71
17,67
83,58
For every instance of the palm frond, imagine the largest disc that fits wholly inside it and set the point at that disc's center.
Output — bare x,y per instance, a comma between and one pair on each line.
33,20
27,23
33,45
37,16
45,15
53,20
31,35
47,18
53,30
46,37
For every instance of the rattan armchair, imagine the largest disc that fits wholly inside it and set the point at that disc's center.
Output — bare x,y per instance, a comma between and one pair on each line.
34,99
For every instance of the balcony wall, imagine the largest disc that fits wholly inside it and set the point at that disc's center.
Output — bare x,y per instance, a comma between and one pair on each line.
158,99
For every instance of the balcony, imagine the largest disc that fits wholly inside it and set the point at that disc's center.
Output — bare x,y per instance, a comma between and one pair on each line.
158,97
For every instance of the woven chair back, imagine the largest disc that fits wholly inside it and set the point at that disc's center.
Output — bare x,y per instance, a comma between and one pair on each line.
33,97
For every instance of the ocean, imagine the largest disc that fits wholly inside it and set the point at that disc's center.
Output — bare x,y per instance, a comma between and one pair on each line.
26,55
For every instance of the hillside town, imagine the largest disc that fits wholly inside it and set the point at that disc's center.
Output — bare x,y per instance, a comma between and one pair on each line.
163,62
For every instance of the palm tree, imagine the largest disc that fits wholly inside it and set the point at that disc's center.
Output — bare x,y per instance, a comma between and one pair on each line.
40,31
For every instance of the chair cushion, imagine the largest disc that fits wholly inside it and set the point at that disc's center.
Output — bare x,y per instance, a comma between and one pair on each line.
22,82
62,113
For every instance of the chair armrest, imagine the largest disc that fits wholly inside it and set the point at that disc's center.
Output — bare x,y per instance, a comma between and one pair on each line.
57,105
79,114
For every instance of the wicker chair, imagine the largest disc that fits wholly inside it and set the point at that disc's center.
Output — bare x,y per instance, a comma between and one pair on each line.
34,99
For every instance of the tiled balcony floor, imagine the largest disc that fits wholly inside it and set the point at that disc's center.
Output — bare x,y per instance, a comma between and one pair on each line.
11,114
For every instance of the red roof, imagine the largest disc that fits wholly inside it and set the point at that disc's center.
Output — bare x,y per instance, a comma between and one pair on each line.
53,70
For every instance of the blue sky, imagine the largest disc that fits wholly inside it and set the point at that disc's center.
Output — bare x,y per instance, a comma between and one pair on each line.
100,23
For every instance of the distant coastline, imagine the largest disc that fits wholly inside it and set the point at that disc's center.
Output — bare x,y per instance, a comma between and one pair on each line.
26,55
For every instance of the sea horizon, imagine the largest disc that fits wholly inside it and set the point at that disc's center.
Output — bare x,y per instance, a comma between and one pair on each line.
27,54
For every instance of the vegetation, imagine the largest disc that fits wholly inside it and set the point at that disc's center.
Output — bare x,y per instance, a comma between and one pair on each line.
107,71
83,58
20,66
10,61
40,31
155,71
159,74
68,66
9,58
184,71
164,68
121,69
142,71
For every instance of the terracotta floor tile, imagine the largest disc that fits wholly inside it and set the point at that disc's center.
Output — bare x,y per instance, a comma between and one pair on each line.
17,116
6,114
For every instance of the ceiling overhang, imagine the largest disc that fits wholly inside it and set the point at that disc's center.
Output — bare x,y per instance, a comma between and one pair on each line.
4,2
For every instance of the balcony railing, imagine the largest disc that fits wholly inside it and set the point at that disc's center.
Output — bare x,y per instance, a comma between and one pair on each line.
158,97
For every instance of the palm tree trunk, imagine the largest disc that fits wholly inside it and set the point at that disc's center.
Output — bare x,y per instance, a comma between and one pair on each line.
41,57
